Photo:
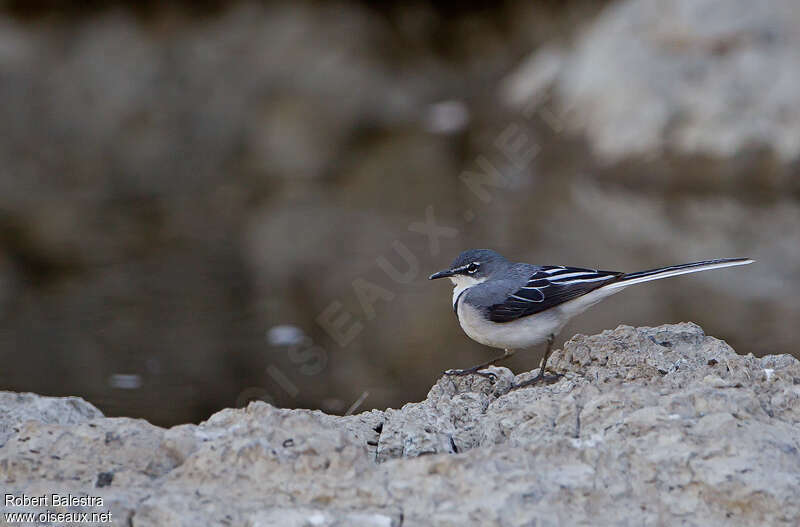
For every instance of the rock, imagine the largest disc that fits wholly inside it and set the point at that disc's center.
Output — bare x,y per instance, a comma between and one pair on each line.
19,408
646,426
650,76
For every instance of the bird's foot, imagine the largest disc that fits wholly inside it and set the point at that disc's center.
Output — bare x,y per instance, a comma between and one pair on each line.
540,377
477,370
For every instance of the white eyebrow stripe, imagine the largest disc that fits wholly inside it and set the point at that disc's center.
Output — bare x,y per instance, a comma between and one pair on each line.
572,275
578,281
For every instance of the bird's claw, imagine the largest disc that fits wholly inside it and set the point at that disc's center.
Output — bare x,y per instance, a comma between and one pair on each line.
547,379
470,371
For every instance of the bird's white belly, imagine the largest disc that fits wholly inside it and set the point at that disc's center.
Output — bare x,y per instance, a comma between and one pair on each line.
526,331
516,334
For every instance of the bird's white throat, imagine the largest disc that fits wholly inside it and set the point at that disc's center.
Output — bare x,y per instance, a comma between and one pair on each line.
461,283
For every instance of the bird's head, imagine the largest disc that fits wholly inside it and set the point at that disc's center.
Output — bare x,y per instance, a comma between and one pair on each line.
472,267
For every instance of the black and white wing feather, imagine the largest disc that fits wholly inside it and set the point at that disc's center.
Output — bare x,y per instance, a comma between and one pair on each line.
549,287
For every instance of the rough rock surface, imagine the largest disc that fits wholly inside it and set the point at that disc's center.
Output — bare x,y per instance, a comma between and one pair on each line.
22,407
647,426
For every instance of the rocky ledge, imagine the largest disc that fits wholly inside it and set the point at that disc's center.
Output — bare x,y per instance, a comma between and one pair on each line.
648,426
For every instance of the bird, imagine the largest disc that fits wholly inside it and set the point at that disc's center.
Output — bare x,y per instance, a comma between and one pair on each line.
513,306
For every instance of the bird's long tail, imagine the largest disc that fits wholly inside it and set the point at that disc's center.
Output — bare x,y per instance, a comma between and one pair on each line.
675,270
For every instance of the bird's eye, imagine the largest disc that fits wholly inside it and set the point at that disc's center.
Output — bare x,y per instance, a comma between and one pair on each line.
473,268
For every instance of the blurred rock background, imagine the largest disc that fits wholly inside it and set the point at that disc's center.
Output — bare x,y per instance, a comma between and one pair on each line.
204,204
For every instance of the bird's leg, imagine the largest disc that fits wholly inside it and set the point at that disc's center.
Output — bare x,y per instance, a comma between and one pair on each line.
476,369
548,349
541,375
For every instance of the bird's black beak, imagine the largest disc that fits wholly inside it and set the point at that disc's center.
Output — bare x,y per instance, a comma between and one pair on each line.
441,274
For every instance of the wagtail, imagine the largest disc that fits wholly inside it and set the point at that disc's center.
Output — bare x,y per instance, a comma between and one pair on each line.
513,306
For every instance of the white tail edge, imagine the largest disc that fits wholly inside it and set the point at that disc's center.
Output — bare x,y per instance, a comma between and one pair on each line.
666,272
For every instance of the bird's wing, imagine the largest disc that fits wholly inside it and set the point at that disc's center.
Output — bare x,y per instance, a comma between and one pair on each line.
548,287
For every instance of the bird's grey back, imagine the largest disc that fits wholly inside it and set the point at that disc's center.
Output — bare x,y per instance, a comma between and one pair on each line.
502,283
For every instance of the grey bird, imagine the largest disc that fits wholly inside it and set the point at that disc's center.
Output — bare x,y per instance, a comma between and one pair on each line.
513,306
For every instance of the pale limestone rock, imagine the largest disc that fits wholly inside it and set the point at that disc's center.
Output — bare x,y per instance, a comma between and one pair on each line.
18,408
647,426
697,77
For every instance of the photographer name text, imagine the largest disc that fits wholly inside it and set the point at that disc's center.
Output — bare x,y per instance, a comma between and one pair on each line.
52,500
